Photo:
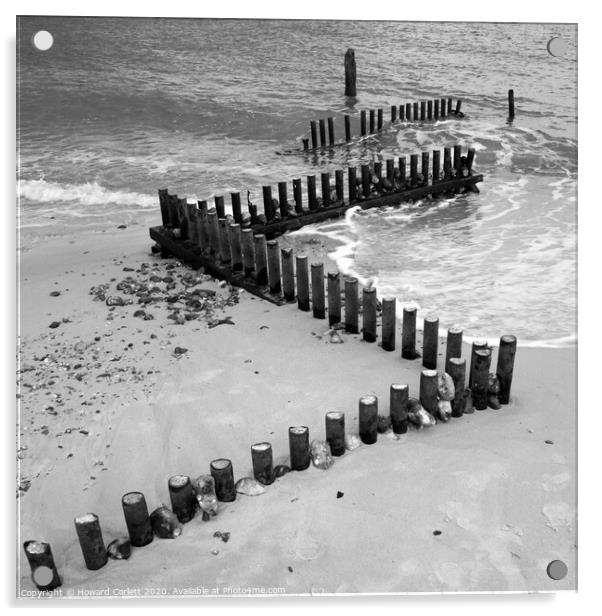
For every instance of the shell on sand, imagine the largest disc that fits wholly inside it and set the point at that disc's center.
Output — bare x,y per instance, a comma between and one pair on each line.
445,386
249,486
444,410
165,523
418,415
352,441
320,455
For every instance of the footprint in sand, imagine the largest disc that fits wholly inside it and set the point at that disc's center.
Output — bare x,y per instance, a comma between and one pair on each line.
552,483
451,575
304,546
558,515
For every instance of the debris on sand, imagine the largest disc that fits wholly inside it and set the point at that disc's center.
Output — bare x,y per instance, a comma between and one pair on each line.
120,549
179,351
352,441
54,324
340,494
320,455
249,486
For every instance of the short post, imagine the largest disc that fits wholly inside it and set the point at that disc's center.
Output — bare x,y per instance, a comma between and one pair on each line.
322,132
325,177
413,168
223,475
408,333
302,283
351,183
236,247
398,407
44,573
458,106
393,113
283,199
314,134
436,108
220,206
347,128
422,110
510,104
430,342
311,192
297,195
443,107
457,157
415,115
457,371
335,432
429,110
366,180
261,259
268,203
446,162
224,241
363,122
351,306
334,298
339,180
453,347
350,73
236,207
183,501
369,314
505,366
330,131
248,251
368,419
263,463
480,384
476,345
288,274
428,391
90,540
390,169
274,267
298,442
470,159
317,290
409,111
379,119
425,167
137,519
371,121
389,323
436,165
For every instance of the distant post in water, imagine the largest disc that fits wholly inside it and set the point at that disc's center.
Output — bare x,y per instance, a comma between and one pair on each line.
350,73
220,206
393,113
443,107
480,383
268,205
236,207
339,180
363,122
454,345
288,274
311,192
283,199
334,298
314,134
436,165
371,121
409,111
297,195
505,366
368,419
351,306
351,183
398,407
430,342
347,128
317,290
325,178
302,283
388,323
322,132
379,119
330,131
408,334
369,314
511,104
429,110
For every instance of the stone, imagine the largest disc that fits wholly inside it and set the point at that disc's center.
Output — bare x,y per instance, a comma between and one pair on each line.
444,410
249,486
165,523
320,455
120,549
445,386
352,441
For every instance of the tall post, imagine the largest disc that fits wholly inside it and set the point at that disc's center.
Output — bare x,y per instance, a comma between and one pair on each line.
288,274
379,119
268,204
314,134
317,290
409,112
446,162
330,131
261,260
422,110
371,121
298,195
347,128
137,519
476,345
511,104
302,283
430,342
334,298
457,371
351,183
425,167
203,223
351,306
368,419
413,168
366,180
369,314
325,178
363,122
236,247
220,206
274,267
224,241
389,323
322,132
408,333
443,104
505,366
436,165
470,159
339,180
401,113
248,251
91,542
398,407
393,113
236,207
311,192
350,73
436,109
453,347
429,110
298,440
480,383
428,391
283,199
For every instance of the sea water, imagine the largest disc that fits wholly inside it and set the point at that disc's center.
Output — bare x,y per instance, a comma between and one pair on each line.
118,108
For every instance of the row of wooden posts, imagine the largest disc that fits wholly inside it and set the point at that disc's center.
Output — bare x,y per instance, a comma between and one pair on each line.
182,495
371,120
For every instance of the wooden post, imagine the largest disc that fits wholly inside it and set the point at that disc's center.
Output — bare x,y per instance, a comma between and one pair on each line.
436,110
288,274
480,383
339,179
163,192
389,323
379,119
368,419
172,211
351,183
317,290
137,520
458,106
347,128
213,228
305,143
390,169
335,432
453,347
191,220
425,167
457,370
268,203
283,199
302,283
470,159
511,104
429,110
363,122
203,225
350,73
430,342
457,157
393,113
325,188
298,441
263,463
398,407
223,475
449,106
476,345
236,247
446,163
183,217
366,180
505,366
408,333
90,540
351,306
43,570
401,113
261,259
443,107
330,131
322,132
224,241
415,115
274,267
314,134
371,121
220,206
402,168
428,391
298,195
409,111
183,501
334,298
436,165
413,168
369,314
248,251
422,110
311,192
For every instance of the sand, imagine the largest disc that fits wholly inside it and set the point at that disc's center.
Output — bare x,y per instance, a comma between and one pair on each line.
482,503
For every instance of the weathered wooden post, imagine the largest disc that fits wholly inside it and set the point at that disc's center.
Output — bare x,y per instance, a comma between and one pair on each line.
90,540
274,267
44,573
409,111
457,158
447,162
480,384
470,159
322,132
283,199
305,143
379,119
248,251
220,206
457,370
390,169
422,110
436,109
453,347
415,115
476,345
224,241
298,195
347,128
402,168
339,181
350,73
366,180
191,221
428,391
317,290
335,432
351,306
430,342
371,121
505,366
401,113
369,314
458,106
408,333
351,183
137,519
425,167
334,298
183,501
268,203
298,441
223,475
330,131
449,106
302,283
413,168
314,134
236,207
393,113
436,165
163,196
443,113
429,110
203,225
363,122
213,230
261,259
263,464
368,419
389,323
398,407
236,247
288,274
325,178
311,192
510,104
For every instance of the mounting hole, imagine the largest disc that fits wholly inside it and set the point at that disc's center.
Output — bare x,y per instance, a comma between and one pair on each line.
43,40
42,576
557,47
557,569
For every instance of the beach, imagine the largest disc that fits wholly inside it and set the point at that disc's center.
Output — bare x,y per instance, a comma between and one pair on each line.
109,405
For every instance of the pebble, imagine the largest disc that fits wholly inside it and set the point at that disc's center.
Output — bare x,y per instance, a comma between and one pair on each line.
54,324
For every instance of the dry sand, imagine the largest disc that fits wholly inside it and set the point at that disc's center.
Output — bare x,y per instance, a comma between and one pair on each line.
500,486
